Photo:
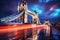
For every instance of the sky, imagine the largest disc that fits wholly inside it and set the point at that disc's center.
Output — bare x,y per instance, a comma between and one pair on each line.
47,9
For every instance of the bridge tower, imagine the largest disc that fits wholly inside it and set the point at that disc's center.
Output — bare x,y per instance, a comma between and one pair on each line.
24,6
25,16
35,18
47,28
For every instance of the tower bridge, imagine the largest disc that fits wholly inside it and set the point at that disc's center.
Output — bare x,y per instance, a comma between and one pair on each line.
23,10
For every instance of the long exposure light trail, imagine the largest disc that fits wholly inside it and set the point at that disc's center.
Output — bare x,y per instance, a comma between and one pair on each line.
11,28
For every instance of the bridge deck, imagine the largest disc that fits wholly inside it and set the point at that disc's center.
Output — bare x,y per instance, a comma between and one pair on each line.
18,30
14,27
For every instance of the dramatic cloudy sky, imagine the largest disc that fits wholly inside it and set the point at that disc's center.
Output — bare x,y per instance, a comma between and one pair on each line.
47,9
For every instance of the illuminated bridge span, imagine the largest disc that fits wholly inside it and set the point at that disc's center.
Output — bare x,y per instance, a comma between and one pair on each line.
16,16
11,17
25,12
15,27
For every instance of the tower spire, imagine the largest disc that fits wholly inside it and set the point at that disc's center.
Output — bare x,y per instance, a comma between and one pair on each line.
23,2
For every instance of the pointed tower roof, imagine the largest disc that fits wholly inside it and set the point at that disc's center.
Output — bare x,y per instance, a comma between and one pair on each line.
24,2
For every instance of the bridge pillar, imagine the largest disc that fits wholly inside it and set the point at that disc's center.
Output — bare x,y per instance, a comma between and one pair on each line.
25,17
35,18
26,13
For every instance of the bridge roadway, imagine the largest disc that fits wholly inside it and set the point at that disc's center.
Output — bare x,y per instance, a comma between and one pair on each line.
14,27
16,31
